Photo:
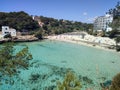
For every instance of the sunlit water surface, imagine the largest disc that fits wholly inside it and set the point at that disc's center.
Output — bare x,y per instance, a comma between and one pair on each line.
51,59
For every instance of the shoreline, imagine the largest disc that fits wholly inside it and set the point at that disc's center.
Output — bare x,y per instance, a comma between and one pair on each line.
4,41
89,40
65,38
28,38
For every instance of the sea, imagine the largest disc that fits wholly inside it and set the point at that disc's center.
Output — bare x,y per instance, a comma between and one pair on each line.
52,59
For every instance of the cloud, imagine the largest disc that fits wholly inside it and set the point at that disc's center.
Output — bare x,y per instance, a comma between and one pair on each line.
91,19
85,13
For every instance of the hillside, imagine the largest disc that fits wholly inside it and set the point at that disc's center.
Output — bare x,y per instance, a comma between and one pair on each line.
18,20
40,25
55,26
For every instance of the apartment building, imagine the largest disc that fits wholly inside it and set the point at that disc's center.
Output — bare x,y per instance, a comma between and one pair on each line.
102,23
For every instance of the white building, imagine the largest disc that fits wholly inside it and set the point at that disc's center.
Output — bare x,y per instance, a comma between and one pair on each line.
6,30
37,18
102,23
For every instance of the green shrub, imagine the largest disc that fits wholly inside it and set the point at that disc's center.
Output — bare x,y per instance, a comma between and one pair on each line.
117,48
116,83
7,36
39,35
10,63
70,82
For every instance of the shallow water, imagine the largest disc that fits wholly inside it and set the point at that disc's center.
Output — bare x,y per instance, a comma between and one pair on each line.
52,58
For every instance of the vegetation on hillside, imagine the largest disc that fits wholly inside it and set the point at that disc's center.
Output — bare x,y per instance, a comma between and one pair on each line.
116,21
22,21
115,33
18,20
55,26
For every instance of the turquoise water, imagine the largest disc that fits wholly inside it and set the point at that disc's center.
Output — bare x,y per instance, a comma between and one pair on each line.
51,59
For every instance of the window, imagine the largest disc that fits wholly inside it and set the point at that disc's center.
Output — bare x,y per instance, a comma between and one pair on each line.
5,28
6,32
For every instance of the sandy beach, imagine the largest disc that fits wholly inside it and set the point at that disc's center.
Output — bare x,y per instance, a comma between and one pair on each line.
87,40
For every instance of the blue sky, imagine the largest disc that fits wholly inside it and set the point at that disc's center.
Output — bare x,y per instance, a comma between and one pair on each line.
76,10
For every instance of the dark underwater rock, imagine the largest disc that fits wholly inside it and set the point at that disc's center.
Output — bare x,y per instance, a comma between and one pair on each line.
44,77
34,78
113,62
53,81
103,78
63,61
80,77
50,88
106,84
34,89
86,79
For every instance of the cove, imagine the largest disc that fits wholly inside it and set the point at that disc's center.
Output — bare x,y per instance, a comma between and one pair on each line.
51,59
